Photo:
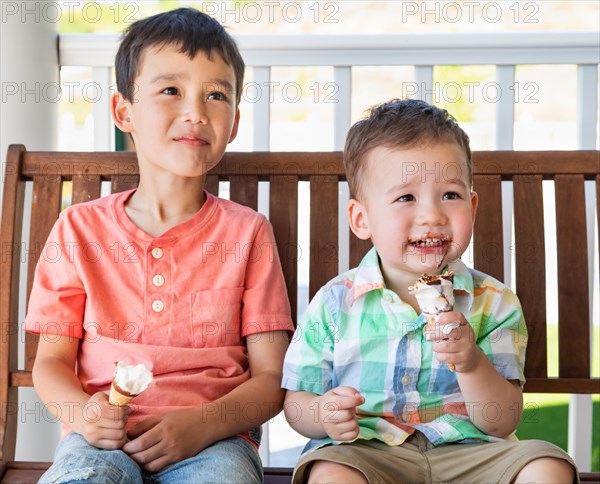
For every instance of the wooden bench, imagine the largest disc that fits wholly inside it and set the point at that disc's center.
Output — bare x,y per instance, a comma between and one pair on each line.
49,170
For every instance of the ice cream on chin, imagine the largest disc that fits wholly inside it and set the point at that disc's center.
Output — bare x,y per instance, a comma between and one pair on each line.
128,382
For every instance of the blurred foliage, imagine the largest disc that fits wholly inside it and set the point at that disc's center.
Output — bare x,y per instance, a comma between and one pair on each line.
78,107
110,17
462,90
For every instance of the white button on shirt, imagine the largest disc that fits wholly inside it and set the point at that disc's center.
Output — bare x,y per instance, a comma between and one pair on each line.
157,252
405,379
158,280
158,306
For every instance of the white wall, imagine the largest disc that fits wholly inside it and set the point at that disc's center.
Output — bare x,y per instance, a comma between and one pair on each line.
28,113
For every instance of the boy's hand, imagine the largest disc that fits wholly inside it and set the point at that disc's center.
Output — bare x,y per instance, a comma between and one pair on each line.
162,440
337,413
457,346
103,424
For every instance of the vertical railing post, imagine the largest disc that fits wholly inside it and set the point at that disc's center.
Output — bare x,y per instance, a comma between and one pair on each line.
505,127
424,81
103,126
261,119
580,407
342,76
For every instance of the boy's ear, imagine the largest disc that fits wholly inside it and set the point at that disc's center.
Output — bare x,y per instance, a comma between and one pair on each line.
121,113
236,123
474,203
357,217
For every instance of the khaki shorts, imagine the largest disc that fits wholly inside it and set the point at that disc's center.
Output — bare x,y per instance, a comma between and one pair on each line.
419,461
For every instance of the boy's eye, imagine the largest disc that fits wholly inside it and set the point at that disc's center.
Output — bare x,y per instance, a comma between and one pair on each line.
171,91
406,198
451,196
219,96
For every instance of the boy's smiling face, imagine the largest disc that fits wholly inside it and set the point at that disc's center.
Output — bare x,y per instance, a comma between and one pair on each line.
417,207
183,113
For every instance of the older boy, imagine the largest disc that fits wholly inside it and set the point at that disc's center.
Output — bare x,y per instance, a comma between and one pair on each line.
188,284
378,400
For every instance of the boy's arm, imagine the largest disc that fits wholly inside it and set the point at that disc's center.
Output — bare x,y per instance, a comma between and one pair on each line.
494,404
261,397
165,439
332,414
301,415
55,381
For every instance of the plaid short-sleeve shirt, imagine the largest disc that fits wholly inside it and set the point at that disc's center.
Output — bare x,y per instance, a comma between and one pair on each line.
357,333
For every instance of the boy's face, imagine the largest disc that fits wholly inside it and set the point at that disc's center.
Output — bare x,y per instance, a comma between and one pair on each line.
183,113
417,207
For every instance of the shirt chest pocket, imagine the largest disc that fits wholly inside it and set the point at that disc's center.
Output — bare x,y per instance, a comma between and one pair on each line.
216,317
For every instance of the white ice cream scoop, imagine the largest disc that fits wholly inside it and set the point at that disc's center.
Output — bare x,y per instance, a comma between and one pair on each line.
128,382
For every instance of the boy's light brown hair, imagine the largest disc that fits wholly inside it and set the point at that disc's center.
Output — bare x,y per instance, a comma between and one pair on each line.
399,124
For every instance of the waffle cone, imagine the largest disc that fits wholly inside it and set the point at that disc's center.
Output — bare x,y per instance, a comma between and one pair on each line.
431,321
118,396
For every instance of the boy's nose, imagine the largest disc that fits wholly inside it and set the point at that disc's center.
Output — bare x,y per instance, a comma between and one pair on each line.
195,113
431,214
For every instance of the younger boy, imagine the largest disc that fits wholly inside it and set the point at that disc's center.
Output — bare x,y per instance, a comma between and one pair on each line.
380,402
186,283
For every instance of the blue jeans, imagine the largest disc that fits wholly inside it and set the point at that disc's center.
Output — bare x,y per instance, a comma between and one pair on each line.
231,461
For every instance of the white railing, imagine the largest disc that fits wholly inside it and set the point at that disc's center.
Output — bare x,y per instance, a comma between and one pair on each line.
423,51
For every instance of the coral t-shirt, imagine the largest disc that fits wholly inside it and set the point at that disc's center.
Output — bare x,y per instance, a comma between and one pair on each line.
182,303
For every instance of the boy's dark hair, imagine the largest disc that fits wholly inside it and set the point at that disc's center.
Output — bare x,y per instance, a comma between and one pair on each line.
187,28
399,124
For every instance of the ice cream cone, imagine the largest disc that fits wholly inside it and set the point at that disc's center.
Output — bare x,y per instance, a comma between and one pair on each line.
435,296
429,329
135,378
118,396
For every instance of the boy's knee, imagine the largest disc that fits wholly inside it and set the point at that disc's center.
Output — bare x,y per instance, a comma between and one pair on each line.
547,469
64,475
111,467
323,471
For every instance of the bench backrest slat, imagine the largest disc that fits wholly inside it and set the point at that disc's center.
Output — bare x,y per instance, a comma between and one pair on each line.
487,233
358,249
244,190
323,231
573,294
121,183
45,207
211,184
86,187
283,214
530,269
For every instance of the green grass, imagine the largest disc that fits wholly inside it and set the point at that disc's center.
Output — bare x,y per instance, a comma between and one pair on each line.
549,421
546,416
